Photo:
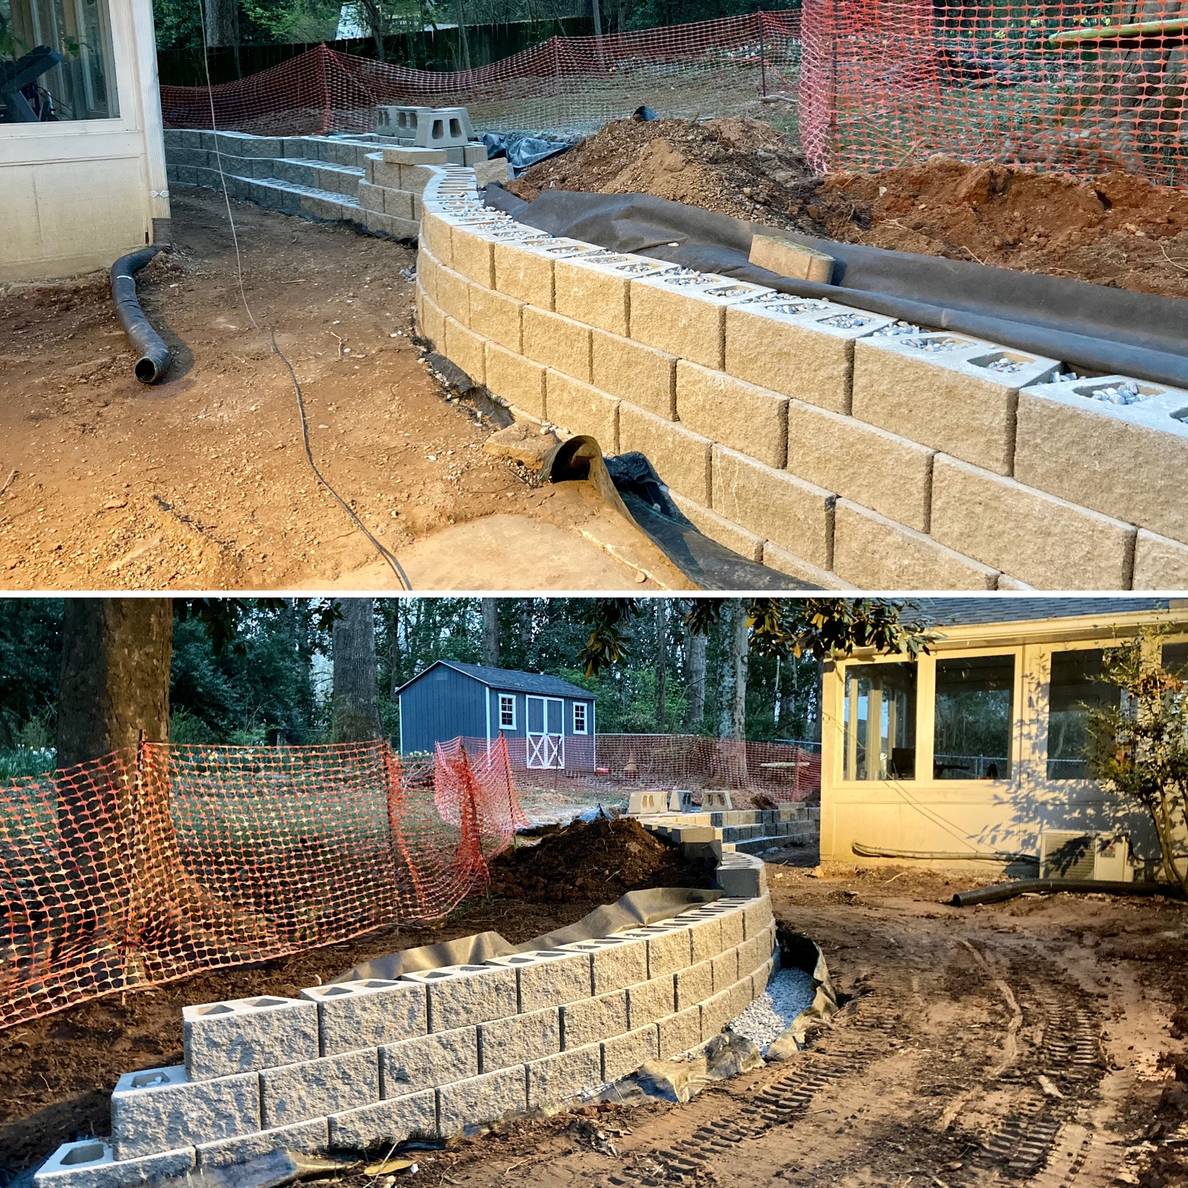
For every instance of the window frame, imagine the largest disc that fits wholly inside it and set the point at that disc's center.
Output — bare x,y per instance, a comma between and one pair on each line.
511,698
1014,754
585,728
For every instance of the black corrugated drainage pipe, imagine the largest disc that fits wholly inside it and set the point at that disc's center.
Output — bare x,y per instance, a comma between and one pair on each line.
1001,891
154,356
864,851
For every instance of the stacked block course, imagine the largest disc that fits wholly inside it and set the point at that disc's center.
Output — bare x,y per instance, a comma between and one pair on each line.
828,442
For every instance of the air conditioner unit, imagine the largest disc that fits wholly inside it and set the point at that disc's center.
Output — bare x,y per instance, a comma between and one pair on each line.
1074,854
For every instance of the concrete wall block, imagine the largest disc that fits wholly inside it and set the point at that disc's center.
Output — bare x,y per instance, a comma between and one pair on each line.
623,1054
740,415
557,1079
557,342
482,1099
1159,563
91,1163
757,916
873,552
383,173
592,1019
496,317
694,984
460,995
616,961
303,1138
427,270
431,323
634,372
705,935
718,528
424,1062
871,466
791,513
517,380
519,1038
799,571
681,458
679,1033
594,288
669,947
410,155
1043,540
368,1013
580,408
741,874
318,1088
799,346
733,926
651,1000
945,390
495,170
473,255
465,350
399,205
242,1034
523,273
549,977
453,295
160,1109
415,179
1089,451
435,237
385,1123
716,1011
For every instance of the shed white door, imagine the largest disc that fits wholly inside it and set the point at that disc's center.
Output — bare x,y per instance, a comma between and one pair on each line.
545,731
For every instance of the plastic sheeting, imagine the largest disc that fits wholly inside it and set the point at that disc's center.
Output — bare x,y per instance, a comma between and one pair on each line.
1091,327
523,151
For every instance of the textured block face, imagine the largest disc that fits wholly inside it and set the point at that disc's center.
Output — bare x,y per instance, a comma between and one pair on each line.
668,948
623,1054
558,1079
401,155
160,1110
634,372
430,322
1042,540
388,1122
549,977
472,255
588,291
303,1138
453,295
91,1164
519,1038
706,937
716,1012
694,984
371,197
435,235
1159,563
793,514
399,204
557,342
580,408
616,964
428,1061
221,1038
415,178
318,1088
465,350
368,1013
679,1033
873,552
874,468
427,270
743,416
592,1019
462,995
684,315
718,528
515,379
799,573
496,317
1091,458
757,918
524,274
732,928
382,173
649,1001
681,458
481,1099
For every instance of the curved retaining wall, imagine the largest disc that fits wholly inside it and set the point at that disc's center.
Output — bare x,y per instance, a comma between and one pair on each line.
357,1064
828,442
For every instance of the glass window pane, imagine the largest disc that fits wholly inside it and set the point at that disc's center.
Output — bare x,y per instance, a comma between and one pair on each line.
56,61
1076,687
880,719
1175,658
974,716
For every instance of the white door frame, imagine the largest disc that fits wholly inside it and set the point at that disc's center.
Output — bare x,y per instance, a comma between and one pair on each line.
544,749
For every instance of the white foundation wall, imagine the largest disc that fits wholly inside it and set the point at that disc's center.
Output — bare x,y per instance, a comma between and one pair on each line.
78,194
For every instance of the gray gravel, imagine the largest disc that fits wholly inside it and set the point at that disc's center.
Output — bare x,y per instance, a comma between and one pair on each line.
789,992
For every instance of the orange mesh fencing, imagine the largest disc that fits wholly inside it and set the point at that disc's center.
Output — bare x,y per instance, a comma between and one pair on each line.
158,862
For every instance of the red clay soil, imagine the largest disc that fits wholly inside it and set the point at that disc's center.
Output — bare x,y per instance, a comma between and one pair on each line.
1113,229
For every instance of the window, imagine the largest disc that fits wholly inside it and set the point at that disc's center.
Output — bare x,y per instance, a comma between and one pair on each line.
57,58
579,718
507,711
880,720
1076,688
974,718
1175,658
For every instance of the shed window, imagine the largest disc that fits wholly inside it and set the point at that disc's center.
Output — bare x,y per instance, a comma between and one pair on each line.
880,722
507,711
972,737
1077,686
579,718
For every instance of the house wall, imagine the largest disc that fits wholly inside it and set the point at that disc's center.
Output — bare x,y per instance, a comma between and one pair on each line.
441,704
76,195
951,817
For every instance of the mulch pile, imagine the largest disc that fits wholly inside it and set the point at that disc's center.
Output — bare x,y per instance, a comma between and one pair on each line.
597,860
1113,229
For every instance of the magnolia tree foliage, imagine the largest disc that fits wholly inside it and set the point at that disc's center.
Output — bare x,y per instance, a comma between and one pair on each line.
1139,748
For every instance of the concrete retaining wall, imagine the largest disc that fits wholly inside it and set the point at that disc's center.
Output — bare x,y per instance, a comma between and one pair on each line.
354,1065
830,443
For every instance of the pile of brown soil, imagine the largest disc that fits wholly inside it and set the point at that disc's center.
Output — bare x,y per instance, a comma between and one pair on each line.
599,860
1114,229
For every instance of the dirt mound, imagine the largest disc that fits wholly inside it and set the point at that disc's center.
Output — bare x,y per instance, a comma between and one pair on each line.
1114,229
597,860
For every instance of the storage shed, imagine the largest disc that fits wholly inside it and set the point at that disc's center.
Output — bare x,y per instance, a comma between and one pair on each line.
547,722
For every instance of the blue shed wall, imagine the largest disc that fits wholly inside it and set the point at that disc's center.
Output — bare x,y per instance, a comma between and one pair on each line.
444,704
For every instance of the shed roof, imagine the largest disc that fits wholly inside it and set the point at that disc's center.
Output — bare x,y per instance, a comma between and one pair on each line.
1014,608
509,678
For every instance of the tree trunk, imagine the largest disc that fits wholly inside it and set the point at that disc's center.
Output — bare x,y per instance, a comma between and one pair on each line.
732,720
661,613
695,679
392,610
490,631
355,706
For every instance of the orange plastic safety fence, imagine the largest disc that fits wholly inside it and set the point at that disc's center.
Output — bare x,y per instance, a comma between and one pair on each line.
155,863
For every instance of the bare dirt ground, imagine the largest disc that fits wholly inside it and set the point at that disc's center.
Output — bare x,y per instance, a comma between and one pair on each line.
1113,229
201,482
